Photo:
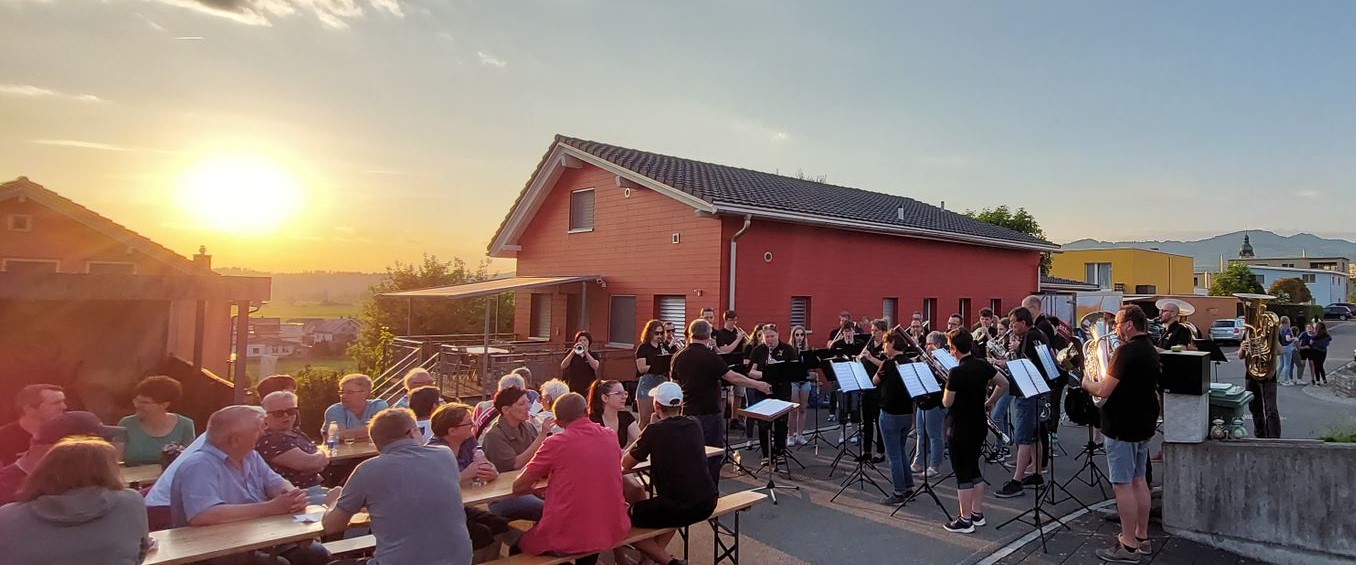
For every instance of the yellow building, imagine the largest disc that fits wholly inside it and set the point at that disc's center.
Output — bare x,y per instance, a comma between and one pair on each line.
1133,271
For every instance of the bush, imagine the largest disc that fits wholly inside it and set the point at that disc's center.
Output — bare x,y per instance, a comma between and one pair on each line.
317,389
1341,436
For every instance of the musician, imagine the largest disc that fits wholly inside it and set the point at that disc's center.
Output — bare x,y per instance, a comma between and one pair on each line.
730,339
1002,410
580,370
842,344
872,357
1266,414
1128,420
672,341
844,319
953,322
929,420
896,415
1174,331
1057,341
648,371
1026,410
917,329
800,391
967,396
701,372
771,351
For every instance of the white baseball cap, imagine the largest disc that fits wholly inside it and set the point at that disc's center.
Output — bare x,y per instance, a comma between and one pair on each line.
668,394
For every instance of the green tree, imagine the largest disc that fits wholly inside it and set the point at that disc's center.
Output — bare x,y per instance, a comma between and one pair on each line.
1236,278
384,317
1291,291
1021,221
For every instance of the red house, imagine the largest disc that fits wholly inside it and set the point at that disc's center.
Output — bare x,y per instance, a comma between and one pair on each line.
665,236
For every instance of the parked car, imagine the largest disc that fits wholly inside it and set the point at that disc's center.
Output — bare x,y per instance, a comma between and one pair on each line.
1349,305
1227,331
1335,312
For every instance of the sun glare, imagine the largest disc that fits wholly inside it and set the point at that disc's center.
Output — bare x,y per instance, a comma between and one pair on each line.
239,194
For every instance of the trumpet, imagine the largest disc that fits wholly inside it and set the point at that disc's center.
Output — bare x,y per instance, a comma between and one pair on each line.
579,349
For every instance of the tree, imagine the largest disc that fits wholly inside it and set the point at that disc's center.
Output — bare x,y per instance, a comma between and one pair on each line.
382,317
1021,221
1291,291
1236,278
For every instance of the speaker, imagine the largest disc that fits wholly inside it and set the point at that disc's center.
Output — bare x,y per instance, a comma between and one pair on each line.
1185,372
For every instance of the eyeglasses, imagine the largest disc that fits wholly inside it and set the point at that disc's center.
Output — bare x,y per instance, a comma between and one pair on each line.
622,391
283,413
799,334
353,391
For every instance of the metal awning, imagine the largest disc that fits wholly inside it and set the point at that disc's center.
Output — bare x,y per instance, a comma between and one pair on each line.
490,287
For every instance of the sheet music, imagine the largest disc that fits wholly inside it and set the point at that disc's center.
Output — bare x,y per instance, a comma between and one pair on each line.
1047,361
770,407
946,359
1029,380
918,379
851,376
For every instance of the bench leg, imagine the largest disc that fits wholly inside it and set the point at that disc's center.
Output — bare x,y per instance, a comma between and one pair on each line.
725,548
683,532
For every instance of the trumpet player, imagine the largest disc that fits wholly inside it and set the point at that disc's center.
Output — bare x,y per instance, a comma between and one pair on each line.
872,357
579,368
730,338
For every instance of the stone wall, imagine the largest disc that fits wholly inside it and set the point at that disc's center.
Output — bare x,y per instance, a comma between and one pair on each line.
1282,501
1343,382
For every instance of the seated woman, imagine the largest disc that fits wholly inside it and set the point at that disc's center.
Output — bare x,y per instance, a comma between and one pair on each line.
607,406
550,391
153,426
285,447
74,509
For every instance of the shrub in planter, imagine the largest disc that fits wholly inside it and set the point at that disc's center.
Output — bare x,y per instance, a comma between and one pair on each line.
317,389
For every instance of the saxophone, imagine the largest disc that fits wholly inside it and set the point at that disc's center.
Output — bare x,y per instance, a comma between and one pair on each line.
1263,336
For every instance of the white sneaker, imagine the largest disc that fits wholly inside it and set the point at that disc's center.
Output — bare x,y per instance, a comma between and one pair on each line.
800,439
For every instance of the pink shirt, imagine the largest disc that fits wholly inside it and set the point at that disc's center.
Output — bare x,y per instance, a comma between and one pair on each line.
585,511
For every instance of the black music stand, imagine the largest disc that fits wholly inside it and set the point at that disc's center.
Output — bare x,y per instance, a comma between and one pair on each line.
1030,382
771,410
779,376
921,383
1216,356
815,358
1096,476
852,377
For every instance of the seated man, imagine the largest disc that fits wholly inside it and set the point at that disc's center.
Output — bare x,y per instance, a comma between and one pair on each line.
511,440
415,378
451,427
66,424
415,504
585,512
423,401
37,403
355,407
285,447
684,491
228,481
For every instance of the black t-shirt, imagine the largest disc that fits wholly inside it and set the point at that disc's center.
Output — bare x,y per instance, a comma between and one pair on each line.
624,421
1131,412
700,371
1052,337
1175,334
14,441
678,472
1028,349
649,353
877,350
980,348
725,337
762,356
970,383
894,396
579,374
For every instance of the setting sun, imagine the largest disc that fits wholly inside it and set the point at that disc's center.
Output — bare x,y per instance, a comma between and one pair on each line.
239,194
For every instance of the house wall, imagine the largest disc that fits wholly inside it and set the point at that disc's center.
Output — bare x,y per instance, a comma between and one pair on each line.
1328,286
1170,274
57,236
630,246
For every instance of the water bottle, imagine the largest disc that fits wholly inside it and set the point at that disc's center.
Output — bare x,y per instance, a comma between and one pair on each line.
332,436
476,460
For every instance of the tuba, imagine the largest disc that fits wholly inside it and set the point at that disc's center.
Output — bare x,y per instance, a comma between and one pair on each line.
1102,342
1263,335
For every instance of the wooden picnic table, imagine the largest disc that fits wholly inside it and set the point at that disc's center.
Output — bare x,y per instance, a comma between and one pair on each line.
361,449
140,475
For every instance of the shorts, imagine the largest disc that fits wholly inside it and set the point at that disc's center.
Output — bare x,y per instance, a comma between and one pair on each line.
803,387
660,512
647,383
1306,354
1026,413
1126,460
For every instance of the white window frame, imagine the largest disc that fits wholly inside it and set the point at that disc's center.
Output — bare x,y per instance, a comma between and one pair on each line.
28,222
1096,271
88,264
4,263
592,221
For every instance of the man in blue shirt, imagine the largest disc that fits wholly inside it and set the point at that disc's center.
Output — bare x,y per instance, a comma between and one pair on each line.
355,407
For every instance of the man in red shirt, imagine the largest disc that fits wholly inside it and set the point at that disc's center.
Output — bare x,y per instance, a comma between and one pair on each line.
585,511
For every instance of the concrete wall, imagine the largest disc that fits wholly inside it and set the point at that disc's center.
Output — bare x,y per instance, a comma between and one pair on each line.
1283,501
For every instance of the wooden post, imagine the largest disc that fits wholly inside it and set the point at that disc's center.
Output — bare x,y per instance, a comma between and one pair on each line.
242,337
199,331
485,353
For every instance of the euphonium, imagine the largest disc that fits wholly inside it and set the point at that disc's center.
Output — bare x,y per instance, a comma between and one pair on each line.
1102,342
1263,329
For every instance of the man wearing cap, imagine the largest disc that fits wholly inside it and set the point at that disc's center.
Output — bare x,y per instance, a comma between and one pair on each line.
66,424
684,491
1175,332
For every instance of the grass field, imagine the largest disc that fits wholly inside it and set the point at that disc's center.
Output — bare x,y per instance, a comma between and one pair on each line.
287,310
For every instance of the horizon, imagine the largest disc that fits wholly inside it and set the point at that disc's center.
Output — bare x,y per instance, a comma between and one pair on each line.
230,125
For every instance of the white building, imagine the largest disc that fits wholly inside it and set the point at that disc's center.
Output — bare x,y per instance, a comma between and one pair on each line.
1326,286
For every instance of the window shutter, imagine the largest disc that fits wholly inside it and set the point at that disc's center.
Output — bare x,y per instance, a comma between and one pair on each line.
800,311
581,210
673,309
541,316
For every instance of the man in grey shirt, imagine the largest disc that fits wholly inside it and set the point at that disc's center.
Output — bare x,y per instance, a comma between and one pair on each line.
412,497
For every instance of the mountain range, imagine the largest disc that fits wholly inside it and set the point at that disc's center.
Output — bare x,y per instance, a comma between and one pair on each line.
1207,252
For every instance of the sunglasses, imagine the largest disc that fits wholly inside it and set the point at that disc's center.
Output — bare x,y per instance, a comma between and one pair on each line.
283,413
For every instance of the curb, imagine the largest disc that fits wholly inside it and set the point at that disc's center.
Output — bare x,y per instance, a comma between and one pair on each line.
1033,535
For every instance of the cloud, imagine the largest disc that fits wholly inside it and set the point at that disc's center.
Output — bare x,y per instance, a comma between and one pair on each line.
781,136
489,60
30,91
77,144
334,14
1311,194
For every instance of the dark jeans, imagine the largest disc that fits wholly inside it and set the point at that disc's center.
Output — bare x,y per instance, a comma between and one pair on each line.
713,434
1266,416
776,429
1319,356
870,419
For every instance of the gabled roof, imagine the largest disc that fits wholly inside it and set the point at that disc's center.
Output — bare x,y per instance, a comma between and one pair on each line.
22,187
721,189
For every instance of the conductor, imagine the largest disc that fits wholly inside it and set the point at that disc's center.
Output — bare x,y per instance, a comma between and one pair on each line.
700,370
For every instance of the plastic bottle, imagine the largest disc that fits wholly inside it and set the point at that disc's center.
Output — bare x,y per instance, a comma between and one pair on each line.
477,459
332,436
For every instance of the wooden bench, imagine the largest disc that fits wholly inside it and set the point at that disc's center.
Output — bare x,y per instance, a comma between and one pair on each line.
359,544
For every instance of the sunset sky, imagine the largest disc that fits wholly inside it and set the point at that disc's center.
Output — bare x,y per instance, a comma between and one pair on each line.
380,130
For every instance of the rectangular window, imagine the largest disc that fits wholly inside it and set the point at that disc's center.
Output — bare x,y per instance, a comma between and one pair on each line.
800,311
671,309
889,310
1098,274
930,314
996,304
110,268
621,322
19,222
541,317
1118,287
1310,278
965,312
581,210
30,265
1261,279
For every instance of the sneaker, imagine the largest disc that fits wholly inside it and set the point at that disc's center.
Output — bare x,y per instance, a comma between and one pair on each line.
932,472
896,499
977,519
960,526
1118,553
878,459
917,469
1033,481
1145,547
1010,489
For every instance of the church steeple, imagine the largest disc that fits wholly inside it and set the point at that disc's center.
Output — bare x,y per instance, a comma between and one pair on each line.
1245,252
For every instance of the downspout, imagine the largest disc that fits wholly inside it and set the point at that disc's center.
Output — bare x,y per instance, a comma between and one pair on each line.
734,255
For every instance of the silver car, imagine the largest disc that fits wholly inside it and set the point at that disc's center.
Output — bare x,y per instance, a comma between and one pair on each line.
1229,330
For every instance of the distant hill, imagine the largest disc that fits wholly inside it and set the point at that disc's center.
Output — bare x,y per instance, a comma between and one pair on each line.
1207,252
315,287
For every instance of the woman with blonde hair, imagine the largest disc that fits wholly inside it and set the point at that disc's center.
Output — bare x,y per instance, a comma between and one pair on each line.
74,509
800,391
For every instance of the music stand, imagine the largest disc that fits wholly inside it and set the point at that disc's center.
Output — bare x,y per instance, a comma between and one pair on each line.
1096,476
1030,383
921,383
1216,356
771,410
852,377
780,376
815,358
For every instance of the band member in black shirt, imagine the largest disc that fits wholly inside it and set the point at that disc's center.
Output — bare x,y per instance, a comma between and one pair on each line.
872,357
1175,332
968,398
772,351
896,416
580,366
1026,411
982,332
730,338
844,319
1129,417
842,343
701,372
649,369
